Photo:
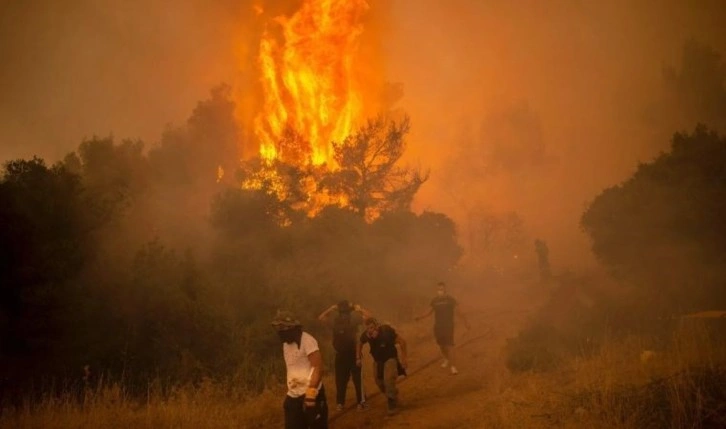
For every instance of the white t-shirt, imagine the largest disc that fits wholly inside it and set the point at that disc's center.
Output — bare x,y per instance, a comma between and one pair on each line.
299,370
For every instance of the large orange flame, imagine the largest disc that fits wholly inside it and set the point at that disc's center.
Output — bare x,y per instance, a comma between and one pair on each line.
312,92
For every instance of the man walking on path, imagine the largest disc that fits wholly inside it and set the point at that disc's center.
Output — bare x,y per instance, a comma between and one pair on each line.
305,404
382,340
346,324
444,307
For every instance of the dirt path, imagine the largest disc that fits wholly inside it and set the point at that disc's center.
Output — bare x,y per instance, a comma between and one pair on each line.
430,396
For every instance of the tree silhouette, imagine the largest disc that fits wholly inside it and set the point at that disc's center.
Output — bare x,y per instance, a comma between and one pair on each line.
192,155
369,177
663,228
47,235
698,84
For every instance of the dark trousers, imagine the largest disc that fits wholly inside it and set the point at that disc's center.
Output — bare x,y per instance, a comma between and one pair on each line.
297,416
345,367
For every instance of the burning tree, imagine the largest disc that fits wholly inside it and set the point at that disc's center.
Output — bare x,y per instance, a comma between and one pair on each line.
366,179
369,177
319,79
312,80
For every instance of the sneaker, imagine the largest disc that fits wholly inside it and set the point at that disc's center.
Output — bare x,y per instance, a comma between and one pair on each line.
445,363
339,407
454,371
362,406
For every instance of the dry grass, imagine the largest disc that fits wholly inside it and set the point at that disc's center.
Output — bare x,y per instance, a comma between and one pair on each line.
205,406
629,384
679,384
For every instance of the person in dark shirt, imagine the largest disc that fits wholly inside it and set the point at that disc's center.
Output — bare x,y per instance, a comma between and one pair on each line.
382,340
444,307
345,326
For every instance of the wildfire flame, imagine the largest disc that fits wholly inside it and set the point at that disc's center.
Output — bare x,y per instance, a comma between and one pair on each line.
312,93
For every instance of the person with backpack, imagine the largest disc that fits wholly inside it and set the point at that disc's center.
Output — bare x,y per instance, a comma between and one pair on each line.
444,307
348,318
382,340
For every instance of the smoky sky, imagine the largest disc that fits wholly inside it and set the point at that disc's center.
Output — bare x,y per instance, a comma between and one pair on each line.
529,105
123,67
568,93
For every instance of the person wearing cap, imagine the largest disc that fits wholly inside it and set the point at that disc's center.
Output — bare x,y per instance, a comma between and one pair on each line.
305,403
444,307
345,325
382,340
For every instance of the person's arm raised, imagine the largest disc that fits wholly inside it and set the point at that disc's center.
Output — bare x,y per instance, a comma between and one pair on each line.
364,312
324,315
423,316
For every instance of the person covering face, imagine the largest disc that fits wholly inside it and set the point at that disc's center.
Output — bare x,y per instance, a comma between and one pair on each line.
305,404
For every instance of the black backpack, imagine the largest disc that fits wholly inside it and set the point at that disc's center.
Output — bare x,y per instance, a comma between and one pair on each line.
344,333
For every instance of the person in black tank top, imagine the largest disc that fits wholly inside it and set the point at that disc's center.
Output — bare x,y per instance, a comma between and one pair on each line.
444,307
345,322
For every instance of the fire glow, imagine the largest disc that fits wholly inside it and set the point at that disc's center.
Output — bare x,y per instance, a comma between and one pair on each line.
312,94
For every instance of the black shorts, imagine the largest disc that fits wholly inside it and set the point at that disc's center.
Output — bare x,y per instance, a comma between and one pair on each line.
444,335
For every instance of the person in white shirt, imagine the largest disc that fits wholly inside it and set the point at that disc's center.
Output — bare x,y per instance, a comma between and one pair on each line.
305,404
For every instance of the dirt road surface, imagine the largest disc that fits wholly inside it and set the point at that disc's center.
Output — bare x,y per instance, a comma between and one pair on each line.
432,398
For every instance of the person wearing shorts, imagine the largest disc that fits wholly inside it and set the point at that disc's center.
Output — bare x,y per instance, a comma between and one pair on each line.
444,307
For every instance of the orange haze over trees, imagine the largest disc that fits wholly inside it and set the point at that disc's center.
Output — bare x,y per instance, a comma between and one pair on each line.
170,258
157,263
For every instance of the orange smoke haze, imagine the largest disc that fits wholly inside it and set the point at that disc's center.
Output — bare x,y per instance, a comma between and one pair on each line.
537,106
526,106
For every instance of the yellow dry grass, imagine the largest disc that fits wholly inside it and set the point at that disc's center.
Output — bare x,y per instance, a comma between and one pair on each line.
628,384
204,406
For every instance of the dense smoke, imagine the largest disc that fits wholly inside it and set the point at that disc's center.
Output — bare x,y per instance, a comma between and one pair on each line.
574,92
150,240
527,107
127,68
